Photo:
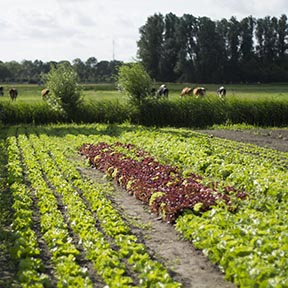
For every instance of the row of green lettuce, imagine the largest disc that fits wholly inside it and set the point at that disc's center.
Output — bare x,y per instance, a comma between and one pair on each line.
75,221
251,245
7,266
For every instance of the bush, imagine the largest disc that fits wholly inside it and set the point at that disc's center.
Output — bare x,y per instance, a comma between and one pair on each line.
23,113
65,93
162,112
135,82
103,112
188,112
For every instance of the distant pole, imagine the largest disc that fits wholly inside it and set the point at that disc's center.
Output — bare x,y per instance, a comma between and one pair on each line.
113,50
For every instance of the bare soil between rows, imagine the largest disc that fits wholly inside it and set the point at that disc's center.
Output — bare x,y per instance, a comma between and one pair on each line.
185,263
276,139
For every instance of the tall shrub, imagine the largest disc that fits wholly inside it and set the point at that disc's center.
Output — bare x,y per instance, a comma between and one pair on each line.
135,82
64,91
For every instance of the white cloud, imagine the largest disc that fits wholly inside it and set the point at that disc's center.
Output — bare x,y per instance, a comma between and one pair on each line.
69,29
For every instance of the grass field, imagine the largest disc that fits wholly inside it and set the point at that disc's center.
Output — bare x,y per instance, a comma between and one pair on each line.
98,92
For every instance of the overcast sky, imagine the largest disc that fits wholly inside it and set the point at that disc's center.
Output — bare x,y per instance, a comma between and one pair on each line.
67,29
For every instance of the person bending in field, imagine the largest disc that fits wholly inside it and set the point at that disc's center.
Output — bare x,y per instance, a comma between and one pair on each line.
163,91
221,92
13,93
44,93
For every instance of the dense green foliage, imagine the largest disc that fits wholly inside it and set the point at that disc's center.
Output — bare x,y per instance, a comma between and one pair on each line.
65,93
135,82
89,71
189,112
198,49
264,105
38,113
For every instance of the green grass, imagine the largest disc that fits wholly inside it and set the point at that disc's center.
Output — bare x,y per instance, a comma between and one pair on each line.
258,104
27,93
242,91
100,95
97,92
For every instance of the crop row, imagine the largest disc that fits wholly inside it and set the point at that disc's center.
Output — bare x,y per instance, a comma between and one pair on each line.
75,218
6,219
249,245
54,230
174,193
25,249
150,273
161,186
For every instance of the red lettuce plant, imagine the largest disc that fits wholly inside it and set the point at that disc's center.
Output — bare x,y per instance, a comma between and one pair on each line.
142,176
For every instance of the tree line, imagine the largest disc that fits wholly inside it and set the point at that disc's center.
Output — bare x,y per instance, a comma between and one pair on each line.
27,71
187,49
198,49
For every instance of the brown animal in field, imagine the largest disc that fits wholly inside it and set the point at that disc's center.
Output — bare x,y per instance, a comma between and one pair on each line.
44,93
199,91
13,93
186,91
1,91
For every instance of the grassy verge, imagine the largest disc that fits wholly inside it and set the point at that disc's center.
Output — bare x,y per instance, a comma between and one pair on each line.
261,105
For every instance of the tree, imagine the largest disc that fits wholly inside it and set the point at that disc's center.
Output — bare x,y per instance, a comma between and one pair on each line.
222,29
266,39
134,81
91,68
233,41
80,69
4,72
15,69
150,44
246,38
282,33
209,55
170,49
186,35
65,94
266,35
91,62
248,61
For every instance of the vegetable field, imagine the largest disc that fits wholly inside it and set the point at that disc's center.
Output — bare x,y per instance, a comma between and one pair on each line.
61,226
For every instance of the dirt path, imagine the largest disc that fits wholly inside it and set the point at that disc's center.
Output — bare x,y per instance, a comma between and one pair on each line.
186,264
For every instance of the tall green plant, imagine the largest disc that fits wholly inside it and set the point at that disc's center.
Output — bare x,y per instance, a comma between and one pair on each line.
135,82
65,94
